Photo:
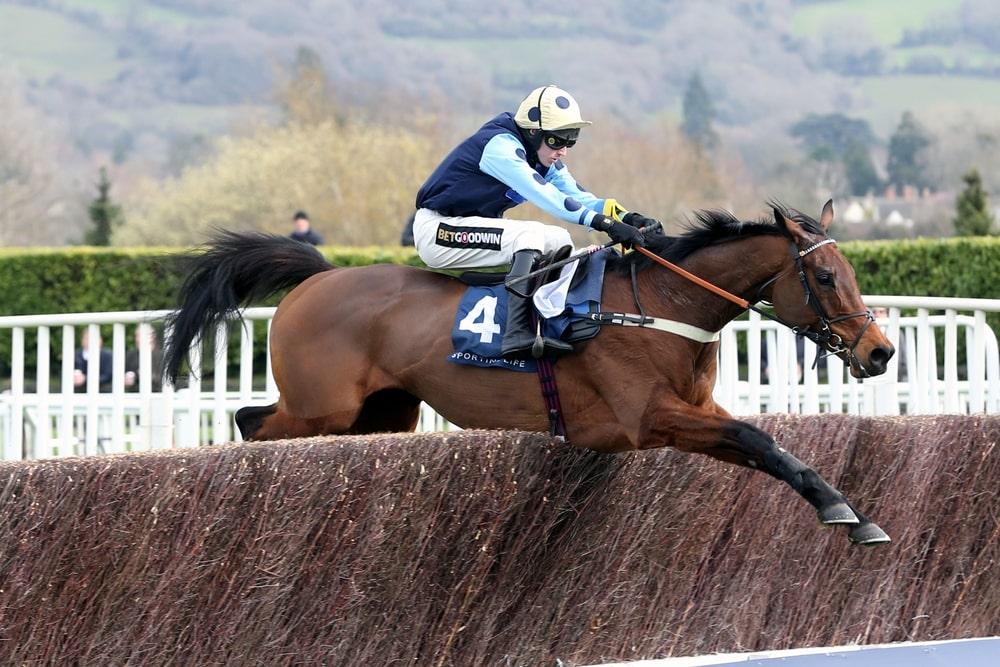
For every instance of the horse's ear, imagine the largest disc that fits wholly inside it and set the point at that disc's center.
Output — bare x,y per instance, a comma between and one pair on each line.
794,228
826,217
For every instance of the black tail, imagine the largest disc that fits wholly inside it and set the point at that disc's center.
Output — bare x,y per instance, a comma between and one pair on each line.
234,270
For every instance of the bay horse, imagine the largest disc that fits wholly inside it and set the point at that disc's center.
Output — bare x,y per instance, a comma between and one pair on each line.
355,350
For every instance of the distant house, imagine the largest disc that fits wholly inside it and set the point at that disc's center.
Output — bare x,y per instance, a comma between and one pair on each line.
894,210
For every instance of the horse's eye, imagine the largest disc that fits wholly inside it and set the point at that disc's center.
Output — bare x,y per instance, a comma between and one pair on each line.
824,278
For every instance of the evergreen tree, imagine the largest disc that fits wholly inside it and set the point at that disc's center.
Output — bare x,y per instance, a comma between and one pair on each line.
699,114
104,214
860,170
829,136
904,165
973,215
306,95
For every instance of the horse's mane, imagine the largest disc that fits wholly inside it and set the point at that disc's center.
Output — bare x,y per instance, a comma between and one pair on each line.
709,228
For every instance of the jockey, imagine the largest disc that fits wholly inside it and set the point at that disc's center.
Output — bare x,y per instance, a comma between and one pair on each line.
509,160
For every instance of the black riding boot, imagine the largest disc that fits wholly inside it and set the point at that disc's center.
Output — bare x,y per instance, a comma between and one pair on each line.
520,339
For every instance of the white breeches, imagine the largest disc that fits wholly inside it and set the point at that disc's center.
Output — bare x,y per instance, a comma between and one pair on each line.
474,243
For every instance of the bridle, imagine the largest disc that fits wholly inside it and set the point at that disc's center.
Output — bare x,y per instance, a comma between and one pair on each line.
827,342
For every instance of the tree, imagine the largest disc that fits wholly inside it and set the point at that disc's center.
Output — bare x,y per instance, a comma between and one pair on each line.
860,170
699,114
104,214
973,216
905,166
838,147
306,95
833,132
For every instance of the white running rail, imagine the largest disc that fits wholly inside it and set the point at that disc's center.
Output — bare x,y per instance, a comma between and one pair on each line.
46,415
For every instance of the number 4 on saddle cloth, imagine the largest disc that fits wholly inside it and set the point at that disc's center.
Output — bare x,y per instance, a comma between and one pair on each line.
562,306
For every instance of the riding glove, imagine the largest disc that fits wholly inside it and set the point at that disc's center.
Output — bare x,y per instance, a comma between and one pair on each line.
639,221
619,232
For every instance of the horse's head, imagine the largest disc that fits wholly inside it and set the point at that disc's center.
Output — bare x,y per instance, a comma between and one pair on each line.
818,295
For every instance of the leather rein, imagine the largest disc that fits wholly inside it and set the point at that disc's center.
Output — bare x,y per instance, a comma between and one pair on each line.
827,342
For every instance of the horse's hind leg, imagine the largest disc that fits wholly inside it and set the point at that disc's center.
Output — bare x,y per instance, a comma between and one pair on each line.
250,418
693,429
270,422
387,411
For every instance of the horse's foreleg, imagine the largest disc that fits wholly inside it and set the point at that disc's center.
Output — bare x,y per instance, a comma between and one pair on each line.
694,429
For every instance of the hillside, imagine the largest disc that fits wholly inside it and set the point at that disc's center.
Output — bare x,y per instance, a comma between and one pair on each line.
147,86
118,70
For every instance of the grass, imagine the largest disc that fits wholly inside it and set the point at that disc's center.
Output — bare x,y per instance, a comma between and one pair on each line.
886,19
141,10
42,43
925,96
968,55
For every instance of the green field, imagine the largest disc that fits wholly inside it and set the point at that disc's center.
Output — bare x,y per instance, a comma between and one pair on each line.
926,96
887,19
43,44
129,9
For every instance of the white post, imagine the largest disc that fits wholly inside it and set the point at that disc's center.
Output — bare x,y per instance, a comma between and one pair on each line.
220,418
118,388
951,399
145,386
753,362
93,388
191,435
727,378
67,443
15,446
43,436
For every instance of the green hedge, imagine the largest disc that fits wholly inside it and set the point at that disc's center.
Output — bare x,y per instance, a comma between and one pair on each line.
93,280
961,267
98,279
83,280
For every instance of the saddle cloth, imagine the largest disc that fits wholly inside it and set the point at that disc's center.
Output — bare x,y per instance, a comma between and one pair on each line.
482,314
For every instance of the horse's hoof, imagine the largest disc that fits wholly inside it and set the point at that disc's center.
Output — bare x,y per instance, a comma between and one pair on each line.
868,534
839,513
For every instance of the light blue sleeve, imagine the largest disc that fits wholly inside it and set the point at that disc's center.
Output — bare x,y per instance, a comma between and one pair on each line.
560,177
504,159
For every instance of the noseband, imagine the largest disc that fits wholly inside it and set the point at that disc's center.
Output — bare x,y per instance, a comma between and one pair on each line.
827,342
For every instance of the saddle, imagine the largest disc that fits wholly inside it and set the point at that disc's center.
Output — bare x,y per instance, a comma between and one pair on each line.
477,330
476,278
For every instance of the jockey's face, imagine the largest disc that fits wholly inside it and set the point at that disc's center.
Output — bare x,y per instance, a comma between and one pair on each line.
548,156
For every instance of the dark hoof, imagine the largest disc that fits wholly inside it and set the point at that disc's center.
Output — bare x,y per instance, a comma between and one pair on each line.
868,534
837,514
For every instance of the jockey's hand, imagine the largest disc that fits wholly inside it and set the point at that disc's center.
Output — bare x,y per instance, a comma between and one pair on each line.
619,232
639,221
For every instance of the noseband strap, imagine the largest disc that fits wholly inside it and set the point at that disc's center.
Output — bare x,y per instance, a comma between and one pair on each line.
826,340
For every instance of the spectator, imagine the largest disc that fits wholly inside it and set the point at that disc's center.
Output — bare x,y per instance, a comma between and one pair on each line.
132,362
406,237
303,232
81,359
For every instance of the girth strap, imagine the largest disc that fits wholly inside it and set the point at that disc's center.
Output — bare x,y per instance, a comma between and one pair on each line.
550,394
689,331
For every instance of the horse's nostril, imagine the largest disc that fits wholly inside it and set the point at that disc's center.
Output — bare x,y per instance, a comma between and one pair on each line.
880,356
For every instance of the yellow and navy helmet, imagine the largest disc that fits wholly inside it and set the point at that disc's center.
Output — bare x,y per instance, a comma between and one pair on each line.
549,108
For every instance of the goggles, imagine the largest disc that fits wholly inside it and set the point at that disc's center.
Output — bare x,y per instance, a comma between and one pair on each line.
562,139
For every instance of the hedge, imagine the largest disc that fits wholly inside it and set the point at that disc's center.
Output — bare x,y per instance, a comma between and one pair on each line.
114,279
966,267
94,280
84,280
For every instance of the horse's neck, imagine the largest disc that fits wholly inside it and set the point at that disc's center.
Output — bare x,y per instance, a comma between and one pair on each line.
740,267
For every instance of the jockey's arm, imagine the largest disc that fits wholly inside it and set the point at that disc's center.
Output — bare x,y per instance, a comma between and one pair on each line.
503,159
